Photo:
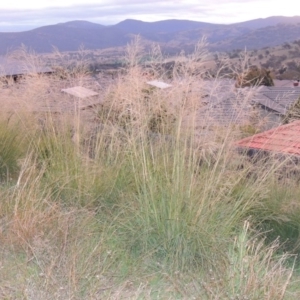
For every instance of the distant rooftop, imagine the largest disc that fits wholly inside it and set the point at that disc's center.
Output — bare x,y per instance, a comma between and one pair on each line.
224,105
159,84
12,67
283,83
284,139
80,92
278,99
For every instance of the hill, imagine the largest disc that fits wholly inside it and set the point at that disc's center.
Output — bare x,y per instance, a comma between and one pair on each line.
263,37
166,26
281,60
65,36
172,35
271,21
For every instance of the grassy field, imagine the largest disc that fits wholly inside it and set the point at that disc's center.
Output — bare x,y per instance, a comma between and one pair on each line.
139,203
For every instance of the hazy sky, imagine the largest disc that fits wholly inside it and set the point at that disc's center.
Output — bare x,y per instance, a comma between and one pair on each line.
19,15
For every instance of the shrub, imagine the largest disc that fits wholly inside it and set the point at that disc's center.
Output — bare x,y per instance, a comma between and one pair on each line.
150,202
253,273
254,77
11,149
293,113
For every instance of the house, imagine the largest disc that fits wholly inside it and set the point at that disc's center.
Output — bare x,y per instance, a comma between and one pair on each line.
274,102
283,83
84,96
11,68
263,106
159,84
284,139
224,105
277,99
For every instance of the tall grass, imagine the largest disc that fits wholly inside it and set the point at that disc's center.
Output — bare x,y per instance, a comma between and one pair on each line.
11,148
142,204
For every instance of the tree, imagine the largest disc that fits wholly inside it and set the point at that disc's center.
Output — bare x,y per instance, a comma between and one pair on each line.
293,113
254,76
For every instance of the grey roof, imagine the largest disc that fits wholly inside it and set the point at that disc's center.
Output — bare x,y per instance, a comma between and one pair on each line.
221,104
278,99
80,92
224,105
283,83
12,67
159,84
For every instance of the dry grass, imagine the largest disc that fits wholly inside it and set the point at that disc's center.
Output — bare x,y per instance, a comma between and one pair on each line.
137,200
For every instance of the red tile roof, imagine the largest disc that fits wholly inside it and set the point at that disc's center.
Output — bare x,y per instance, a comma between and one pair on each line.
283,139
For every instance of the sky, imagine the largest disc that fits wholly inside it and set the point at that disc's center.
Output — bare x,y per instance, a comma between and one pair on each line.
21,15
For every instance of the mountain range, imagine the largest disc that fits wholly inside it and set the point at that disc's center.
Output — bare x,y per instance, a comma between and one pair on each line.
172,35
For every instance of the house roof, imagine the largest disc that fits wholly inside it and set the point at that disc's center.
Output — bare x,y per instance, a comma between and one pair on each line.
278,99
225,111
283,83
80,92
283,139
84,96
12,67
159,84
224,105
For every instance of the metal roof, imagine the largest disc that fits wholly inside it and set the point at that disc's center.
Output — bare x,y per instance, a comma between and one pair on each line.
278,99
159,84
283,139
224,105
283,83
12,67
80,92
